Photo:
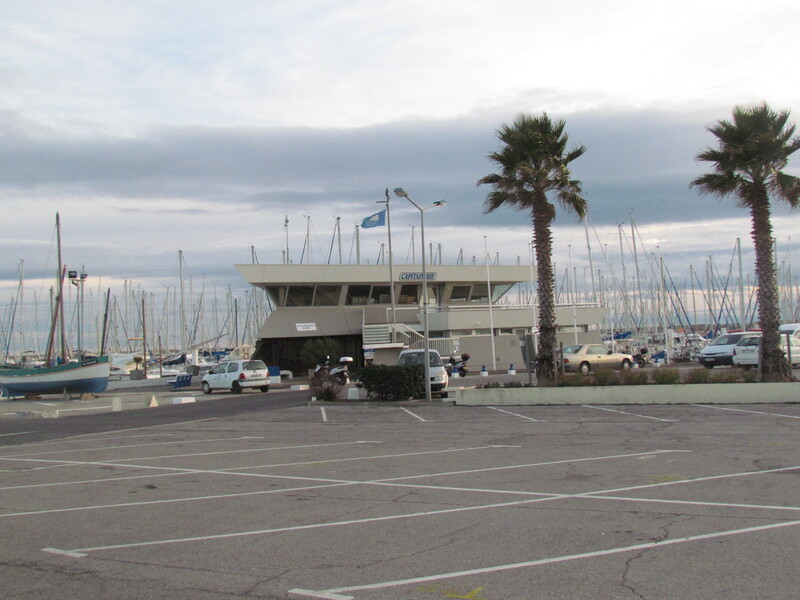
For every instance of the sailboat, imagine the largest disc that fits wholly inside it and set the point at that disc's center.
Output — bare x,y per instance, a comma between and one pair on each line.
86,375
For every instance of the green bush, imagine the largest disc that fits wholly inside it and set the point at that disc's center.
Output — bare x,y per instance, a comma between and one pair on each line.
392,382
576,380
316,349
662,376
605,378
749,376
697,376
725,376
634,377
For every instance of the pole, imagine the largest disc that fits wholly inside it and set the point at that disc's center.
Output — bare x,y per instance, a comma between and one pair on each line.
144,338
425,331
489,292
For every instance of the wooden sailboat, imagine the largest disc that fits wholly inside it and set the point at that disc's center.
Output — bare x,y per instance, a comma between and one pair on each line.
86,375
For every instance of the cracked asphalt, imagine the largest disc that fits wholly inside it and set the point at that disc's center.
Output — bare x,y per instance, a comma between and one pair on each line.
271,497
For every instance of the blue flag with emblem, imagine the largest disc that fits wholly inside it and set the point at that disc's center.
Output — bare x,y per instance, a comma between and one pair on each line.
376,220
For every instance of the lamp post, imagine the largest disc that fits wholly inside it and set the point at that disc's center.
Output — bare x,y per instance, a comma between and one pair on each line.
401,193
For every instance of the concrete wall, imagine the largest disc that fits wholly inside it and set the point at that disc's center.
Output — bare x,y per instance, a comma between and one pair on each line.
686,393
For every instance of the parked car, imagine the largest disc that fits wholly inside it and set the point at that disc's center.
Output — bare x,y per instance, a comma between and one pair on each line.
584,358
236,375
745,352
438,373
720,351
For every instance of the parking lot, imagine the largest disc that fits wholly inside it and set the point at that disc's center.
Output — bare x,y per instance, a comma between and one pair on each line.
419,501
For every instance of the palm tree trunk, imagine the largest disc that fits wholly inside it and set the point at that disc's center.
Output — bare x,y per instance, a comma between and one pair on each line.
774,366
542,214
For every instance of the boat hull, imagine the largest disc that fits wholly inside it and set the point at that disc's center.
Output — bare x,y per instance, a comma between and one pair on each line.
76,378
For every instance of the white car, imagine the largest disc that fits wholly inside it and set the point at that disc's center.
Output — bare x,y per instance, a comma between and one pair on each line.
720,351
438,373
236,375
745,353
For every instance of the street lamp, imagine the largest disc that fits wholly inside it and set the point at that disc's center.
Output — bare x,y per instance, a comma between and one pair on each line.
401,193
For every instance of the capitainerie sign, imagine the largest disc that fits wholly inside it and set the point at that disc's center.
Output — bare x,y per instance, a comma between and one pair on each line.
429,276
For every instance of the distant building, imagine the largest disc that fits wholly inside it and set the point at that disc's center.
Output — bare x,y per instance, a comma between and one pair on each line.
353,305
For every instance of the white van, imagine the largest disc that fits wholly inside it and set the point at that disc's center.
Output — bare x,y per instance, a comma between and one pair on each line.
438,373
720,350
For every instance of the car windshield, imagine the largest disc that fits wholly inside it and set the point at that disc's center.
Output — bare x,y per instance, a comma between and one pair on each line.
416,358
572,349
726,340
749,341
252,365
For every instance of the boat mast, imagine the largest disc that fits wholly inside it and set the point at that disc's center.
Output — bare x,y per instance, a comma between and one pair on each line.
60,309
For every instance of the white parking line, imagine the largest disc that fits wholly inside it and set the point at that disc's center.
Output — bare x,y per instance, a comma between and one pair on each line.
622,412
508,412
382,482
336,593
324,414
752,412
70,451
414,415
18,433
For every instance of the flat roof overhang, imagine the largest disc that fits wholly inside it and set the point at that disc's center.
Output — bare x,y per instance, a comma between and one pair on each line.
264,275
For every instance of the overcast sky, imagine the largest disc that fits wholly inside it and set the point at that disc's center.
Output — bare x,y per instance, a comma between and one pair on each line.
154,127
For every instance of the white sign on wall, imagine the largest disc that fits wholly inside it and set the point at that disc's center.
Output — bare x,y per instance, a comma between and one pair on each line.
306,326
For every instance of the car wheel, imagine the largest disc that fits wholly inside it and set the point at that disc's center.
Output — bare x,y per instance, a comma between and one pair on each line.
206,388
264,388
626,365
443,395
585,368
236,388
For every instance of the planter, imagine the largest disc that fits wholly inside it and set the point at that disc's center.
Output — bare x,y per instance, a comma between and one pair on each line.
137,374
681,393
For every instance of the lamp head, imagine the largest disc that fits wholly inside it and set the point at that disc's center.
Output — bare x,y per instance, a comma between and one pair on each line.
400,192
440,203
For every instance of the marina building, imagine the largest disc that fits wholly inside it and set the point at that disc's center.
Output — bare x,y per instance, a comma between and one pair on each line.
484,311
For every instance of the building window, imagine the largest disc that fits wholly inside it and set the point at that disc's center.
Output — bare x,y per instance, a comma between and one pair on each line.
380,295
460,293
357,294
299,295
327,295
409,294
274,293
480,293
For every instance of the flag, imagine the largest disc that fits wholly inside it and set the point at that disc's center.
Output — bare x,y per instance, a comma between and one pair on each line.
376,220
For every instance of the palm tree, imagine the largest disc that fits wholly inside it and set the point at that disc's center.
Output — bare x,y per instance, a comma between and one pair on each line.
747,164
533,166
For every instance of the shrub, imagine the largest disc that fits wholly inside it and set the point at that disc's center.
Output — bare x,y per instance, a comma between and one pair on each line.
605,378
392,382
725,376
326,391
749,376
576,380
697,375
316,349
634,377
664,376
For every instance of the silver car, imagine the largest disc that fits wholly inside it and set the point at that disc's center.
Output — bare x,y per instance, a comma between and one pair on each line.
585,358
